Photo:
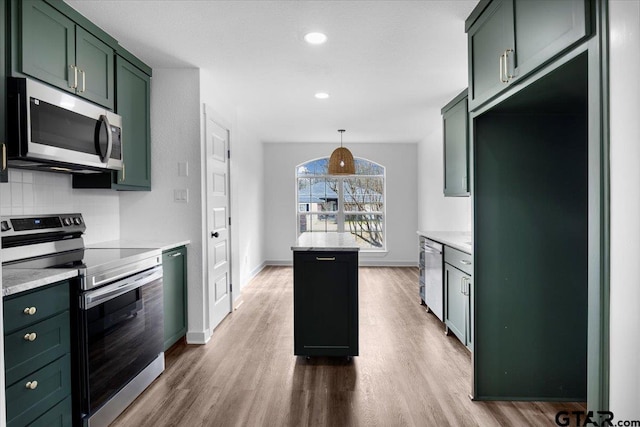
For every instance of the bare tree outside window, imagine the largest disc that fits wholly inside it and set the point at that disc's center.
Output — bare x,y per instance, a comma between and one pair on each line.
353,203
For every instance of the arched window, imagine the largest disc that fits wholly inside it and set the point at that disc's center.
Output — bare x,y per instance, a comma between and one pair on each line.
336,203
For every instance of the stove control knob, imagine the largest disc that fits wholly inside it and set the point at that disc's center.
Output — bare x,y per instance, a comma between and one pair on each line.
5,226
67,221
77,220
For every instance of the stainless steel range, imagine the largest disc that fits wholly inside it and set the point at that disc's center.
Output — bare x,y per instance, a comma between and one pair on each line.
119,310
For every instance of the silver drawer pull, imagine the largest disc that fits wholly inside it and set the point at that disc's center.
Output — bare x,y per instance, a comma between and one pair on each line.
177,254
465,262
30,311
31,385
30,337
325,258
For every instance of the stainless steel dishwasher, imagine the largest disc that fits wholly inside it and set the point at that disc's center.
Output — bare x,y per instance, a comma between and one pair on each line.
433,277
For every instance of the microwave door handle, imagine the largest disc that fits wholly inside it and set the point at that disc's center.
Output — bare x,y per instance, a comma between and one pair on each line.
107,154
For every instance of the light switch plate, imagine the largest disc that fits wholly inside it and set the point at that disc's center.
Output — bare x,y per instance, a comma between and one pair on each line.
181,195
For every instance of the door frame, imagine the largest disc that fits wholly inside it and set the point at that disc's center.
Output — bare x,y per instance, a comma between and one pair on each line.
208,111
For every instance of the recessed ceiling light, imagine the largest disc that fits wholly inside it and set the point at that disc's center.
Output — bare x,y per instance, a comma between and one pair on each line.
315,38
321,95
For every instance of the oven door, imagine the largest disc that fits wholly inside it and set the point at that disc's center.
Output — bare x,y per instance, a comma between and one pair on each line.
122,332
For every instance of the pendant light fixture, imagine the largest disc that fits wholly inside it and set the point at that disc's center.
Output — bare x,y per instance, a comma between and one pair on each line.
341,161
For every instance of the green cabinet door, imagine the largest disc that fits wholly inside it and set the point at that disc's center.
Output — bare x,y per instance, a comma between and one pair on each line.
174,265
133,88
454,306
94,60
469,312
488,40
47,44
456,154
543,28
54,49
4,171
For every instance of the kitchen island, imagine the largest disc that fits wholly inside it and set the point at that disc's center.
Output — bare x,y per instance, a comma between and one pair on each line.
325,295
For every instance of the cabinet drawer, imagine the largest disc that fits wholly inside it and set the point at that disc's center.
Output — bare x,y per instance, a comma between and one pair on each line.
50,341
47,302
58,416
24,405
458,259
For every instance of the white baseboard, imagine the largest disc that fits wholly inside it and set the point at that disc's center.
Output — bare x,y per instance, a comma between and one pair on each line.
198,337
253,273
361,262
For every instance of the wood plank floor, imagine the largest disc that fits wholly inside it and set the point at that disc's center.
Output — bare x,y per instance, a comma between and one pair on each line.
408,372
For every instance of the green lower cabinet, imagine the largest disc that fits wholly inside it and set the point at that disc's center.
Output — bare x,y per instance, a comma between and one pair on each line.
174,265
37,354
58,416
37,393
457,312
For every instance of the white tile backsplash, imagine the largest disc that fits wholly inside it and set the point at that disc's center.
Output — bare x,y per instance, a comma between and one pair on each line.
36,193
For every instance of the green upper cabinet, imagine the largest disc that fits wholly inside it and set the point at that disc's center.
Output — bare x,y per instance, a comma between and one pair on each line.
455,118
489,39
510,38
54,49
133,103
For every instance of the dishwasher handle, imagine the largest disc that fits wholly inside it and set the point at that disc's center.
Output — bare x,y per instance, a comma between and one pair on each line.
430,250
92,298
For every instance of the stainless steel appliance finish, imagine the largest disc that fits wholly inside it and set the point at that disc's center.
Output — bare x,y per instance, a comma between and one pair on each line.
53,130
433,277
119,314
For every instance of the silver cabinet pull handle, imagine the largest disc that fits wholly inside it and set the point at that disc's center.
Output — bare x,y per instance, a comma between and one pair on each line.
30,337
176,254
506,65
4,157
325,258
84,81
465,262
30,311
75,77
501,68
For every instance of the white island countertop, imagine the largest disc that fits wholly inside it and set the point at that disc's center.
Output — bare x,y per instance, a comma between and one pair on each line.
325,242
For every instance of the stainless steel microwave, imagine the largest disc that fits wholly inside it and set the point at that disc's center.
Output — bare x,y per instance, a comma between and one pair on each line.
49,129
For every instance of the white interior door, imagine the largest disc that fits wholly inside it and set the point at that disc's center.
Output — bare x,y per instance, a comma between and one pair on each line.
218,236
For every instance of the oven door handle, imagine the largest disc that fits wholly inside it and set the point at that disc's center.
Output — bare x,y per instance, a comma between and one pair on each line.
99,296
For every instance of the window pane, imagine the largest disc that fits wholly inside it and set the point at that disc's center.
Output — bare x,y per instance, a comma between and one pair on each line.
367,229
365,167
320,223
363,194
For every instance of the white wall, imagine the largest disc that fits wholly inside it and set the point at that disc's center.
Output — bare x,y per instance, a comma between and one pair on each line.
436,212
247,187
625,209
177,98
175,137
279,210
30,192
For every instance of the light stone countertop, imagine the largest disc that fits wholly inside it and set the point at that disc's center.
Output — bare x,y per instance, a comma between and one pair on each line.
460,240
16,280
325,242
163,245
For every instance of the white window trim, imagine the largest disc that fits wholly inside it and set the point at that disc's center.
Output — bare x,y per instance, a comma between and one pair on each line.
340,213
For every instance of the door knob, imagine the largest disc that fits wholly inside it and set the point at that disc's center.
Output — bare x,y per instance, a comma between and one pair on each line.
215,234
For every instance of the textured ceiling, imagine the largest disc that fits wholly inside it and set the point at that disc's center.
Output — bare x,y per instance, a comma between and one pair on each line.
389,66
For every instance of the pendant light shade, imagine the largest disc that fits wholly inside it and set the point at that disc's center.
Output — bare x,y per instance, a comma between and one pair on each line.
341,161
